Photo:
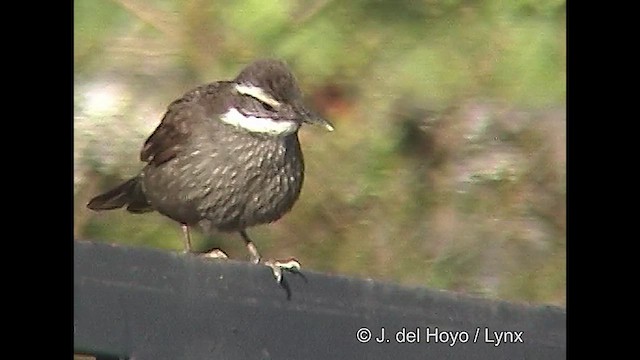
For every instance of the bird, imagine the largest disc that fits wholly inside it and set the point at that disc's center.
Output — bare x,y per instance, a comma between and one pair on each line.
225,157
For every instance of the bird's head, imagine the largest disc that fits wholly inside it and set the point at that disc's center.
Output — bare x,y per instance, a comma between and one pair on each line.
267,100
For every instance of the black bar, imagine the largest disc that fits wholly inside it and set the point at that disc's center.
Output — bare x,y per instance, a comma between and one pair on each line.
135,303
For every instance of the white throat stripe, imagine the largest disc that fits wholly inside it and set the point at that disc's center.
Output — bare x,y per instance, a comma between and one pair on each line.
259,124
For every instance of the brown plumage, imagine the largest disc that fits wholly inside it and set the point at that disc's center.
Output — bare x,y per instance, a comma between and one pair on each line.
225,156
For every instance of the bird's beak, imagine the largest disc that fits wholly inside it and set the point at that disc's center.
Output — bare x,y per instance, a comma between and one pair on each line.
310,117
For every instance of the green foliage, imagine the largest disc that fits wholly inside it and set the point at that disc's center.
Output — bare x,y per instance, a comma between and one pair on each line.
255,20
94,21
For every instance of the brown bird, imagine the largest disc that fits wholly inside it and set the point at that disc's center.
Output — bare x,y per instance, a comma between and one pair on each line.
226,156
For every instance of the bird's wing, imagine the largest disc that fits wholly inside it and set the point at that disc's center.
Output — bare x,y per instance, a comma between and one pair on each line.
169,137
175,128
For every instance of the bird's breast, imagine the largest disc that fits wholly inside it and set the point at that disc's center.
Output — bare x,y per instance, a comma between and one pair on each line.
228,182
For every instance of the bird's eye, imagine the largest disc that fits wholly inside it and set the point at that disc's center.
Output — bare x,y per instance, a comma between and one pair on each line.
266,101
267,107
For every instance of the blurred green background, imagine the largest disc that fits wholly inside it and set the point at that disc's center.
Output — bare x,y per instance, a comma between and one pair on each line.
447,168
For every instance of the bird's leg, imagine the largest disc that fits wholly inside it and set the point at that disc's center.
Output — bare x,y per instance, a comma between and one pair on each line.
255,255
187,238
213,254
276,266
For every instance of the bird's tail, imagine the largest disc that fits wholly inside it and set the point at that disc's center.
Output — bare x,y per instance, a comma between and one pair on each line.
129,194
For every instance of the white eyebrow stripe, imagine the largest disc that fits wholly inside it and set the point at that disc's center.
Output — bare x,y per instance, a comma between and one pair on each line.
261,125
257,93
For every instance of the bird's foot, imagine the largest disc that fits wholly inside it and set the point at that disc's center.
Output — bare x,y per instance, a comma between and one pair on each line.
277,266
215,254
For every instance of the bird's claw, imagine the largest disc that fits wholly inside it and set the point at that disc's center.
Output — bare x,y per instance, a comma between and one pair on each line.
215,254
291,265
